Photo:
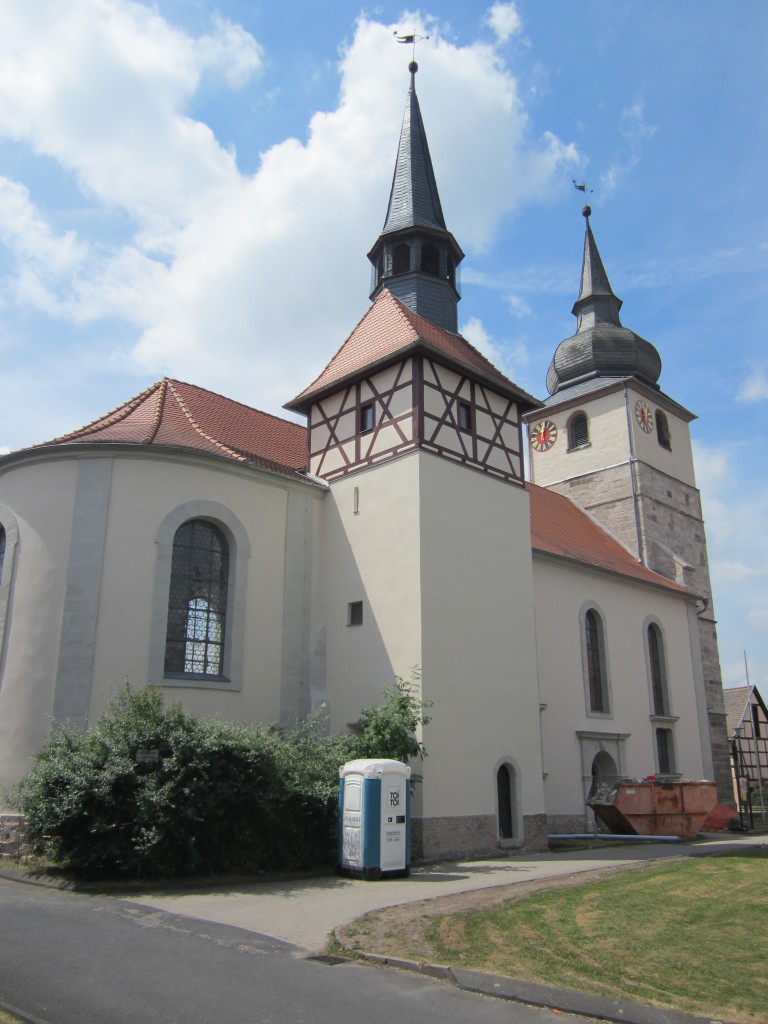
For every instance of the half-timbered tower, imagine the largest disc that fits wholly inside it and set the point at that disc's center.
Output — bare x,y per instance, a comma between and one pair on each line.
609,438
427,552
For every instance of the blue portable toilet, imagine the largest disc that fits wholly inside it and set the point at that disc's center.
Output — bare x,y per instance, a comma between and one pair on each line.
375,819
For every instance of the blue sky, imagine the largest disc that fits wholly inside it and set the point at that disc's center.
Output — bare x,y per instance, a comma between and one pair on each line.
189,189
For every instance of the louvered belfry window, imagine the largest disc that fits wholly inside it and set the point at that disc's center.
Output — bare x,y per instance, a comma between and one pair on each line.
197,604
578,431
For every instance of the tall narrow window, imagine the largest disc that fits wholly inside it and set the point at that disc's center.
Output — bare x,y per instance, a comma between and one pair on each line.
197,603
401,259
662,431
366,417
658,670
2,551
451,267
430,259
465,416
593,637
578,431
505,797
665,752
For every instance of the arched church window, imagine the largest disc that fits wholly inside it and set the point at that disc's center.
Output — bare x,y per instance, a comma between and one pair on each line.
430,259
658,670
578,431
401,259
662,431
197,603
665,752
597,677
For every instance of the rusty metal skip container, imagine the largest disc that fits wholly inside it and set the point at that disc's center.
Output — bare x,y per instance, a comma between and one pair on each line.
654,808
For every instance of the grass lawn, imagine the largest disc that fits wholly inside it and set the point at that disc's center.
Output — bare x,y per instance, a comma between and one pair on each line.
691,935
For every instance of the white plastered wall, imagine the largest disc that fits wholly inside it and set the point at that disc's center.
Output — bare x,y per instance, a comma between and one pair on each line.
614,437
440,556
561,591
42,498
110,637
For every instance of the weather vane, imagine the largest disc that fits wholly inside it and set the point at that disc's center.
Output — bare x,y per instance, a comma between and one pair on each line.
412,39
581,187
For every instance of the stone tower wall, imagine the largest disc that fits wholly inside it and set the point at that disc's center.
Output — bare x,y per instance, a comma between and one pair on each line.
659,516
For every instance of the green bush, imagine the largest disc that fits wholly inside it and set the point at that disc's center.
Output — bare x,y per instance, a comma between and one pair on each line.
210,797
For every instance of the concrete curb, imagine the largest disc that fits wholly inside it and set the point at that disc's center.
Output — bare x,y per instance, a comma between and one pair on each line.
581,1004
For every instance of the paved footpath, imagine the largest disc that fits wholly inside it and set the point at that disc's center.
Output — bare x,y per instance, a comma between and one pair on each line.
305,912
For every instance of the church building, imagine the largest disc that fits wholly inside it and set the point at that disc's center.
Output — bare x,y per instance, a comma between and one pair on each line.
257,568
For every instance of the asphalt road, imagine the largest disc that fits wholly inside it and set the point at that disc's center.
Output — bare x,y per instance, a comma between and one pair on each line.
68,958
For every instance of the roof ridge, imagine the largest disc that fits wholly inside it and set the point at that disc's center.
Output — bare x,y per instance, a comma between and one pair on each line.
197,428
115,415
157,419
235,401
338,351
408,313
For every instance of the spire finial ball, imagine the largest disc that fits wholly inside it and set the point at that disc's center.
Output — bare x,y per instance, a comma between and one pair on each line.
586,211
413,67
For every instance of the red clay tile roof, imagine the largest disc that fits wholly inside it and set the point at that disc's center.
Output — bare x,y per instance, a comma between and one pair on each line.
389,328
560,527
174,414
178,415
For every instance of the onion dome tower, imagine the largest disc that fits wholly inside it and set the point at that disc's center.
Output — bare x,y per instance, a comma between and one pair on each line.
415,256
611,440
601,346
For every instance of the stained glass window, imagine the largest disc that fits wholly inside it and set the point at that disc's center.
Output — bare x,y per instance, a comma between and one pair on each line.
197,603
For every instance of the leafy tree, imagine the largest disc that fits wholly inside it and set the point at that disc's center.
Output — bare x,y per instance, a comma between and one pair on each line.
153,791
389,729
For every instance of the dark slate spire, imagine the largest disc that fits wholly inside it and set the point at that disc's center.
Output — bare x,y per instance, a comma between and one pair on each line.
601,347
415,255
413,201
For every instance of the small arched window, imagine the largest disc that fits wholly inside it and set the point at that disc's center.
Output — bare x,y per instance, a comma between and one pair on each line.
505,797
578,431
197,603
430,259
658,670
662,431
597,681
401,259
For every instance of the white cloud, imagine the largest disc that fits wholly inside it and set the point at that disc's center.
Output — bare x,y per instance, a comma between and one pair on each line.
101,86
734,499
508,357
224,268
754,388
229,51
505,21
635,131
517,306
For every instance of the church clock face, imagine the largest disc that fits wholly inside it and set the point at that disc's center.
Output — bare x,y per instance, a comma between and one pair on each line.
543,436
644,416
